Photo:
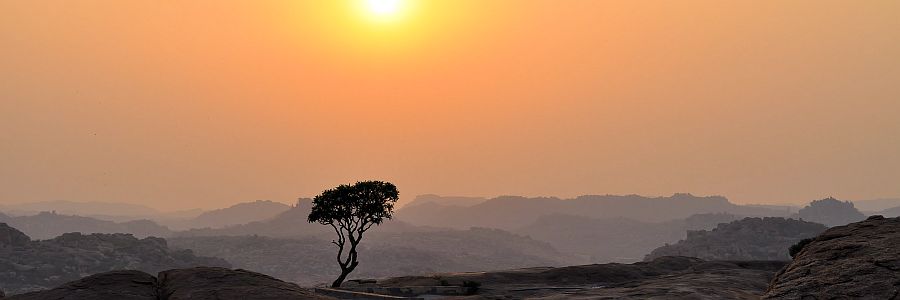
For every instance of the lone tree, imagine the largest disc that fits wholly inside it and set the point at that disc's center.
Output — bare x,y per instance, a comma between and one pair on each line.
351,210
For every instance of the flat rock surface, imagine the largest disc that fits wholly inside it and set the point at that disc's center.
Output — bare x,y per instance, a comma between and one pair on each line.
662,278
856,261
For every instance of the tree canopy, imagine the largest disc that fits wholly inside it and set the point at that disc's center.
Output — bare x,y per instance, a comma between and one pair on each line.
351,210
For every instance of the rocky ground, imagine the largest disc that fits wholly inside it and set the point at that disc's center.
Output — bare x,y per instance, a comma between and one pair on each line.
203,283
856,261
27,265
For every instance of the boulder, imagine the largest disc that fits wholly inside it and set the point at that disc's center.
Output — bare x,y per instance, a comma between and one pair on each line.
121,285
856,261
212,283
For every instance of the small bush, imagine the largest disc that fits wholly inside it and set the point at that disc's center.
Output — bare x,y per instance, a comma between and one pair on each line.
796,248
472,286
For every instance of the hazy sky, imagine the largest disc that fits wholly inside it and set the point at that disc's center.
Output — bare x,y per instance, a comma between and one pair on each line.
178,104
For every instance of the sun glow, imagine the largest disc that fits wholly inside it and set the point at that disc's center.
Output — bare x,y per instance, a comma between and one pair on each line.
384,10
383,7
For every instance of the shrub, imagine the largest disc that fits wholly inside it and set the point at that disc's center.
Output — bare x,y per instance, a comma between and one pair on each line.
472,286
796,248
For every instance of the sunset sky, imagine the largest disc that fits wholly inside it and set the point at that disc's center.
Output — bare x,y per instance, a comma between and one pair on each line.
182,104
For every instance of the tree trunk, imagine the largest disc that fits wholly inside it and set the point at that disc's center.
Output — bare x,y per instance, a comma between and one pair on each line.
337,282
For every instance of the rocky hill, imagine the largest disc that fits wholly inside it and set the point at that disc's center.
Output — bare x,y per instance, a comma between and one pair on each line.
615,240
27,265
201,283
857,261
831,212
46,225
747,239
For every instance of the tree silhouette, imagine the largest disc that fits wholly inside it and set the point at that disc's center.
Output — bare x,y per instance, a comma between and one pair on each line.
352,210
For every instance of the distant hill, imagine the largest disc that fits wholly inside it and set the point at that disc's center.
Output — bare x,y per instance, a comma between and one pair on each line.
874,205
615,240
241,213
47,225
510,212
290,223
890,212
311,260
79,208
27,265
747,239
445,200
831,212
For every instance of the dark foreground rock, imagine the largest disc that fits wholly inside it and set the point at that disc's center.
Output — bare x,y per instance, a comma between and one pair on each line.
204,283
662,278
124,285
856,261
220,283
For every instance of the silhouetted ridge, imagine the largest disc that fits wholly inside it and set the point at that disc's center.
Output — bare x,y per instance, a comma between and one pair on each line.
46,225
241,213
891,212
512,212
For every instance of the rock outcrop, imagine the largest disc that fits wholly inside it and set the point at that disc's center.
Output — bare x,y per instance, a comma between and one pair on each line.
747,239
27,265
195,283
857,261
831,212
11,237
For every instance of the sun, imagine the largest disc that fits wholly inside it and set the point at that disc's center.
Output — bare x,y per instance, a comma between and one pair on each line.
384,10
383,7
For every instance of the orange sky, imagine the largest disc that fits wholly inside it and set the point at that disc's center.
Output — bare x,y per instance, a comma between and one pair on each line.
179,104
